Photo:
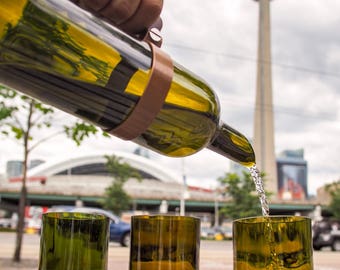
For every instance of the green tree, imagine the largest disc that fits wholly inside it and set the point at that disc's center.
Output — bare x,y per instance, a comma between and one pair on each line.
334,206
22,119
116,199
244,199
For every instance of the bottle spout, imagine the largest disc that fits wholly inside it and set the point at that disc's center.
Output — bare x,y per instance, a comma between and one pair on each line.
233,145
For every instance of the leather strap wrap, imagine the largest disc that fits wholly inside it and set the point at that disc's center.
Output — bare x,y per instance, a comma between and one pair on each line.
152,100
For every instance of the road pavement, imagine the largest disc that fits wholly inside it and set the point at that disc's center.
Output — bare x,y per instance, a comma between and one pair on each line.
214,255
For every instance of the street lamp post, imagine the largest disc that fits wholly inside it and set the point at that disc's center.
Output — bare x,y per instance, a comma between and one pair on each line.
217,221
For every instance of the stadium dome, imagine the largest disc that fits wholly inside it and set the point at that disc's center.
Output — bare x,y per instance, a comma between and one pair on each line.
94,165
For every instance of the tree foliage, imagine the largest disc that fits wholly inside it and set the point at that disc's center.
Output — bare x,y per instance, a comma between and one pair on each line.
244,199
116,199
24,119
22,116
334,206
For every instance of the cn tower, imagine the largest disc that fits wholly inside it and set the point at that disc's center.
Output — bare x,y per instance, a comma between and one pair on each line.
264,145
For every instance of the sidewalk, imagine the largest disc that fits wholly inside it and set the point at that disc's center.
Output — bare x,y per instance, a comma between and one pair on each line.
29,252
27,264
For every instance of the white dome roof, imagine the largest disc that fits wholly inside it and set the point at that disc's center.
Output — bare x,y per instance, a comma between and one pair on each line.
50,168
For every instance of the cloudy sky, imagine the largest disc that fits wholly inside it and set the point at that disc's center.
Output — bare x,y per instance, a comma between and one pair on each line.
217,40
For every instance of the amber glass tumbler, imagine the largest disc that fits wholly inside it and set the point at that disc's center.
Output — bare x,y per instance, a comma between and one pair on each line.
164,243
74,241
274,242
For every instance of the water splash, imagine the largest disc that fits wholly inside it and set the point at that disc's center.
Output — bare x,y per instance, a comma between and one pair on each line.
255,173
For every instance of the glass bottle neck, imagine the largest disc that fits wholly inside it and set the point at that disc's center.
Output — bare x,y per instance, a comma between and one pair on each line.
233,145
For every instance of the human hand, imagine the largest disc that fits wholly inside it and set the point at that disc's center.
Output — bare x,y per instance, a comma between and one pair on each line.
131,16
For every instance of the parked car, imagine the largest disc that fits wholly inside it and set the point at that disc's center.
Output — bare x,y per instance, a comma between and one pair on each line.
212,233
5,223
326,234
119,230
227,232
207,233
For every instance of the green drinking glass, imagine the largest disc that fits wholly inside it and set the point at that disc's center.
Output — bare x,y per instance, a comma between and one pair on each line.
274,242
164,243
74,241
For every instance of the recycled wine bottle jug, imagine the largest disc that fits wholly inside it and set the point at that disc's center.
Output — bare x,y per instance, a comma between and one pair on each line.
62,55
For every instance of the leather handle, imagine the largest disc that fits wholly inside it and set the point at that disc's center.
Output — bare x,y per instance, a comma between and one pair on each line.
152,100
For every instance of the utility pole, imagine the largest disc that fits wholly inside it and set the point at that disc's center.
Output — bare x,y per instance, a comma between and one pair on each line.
264,145
217,221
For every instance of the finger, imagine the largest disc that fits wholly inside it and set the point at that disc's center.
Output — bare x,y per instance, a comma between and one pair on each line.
158,24
146,15
119,11
92,5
